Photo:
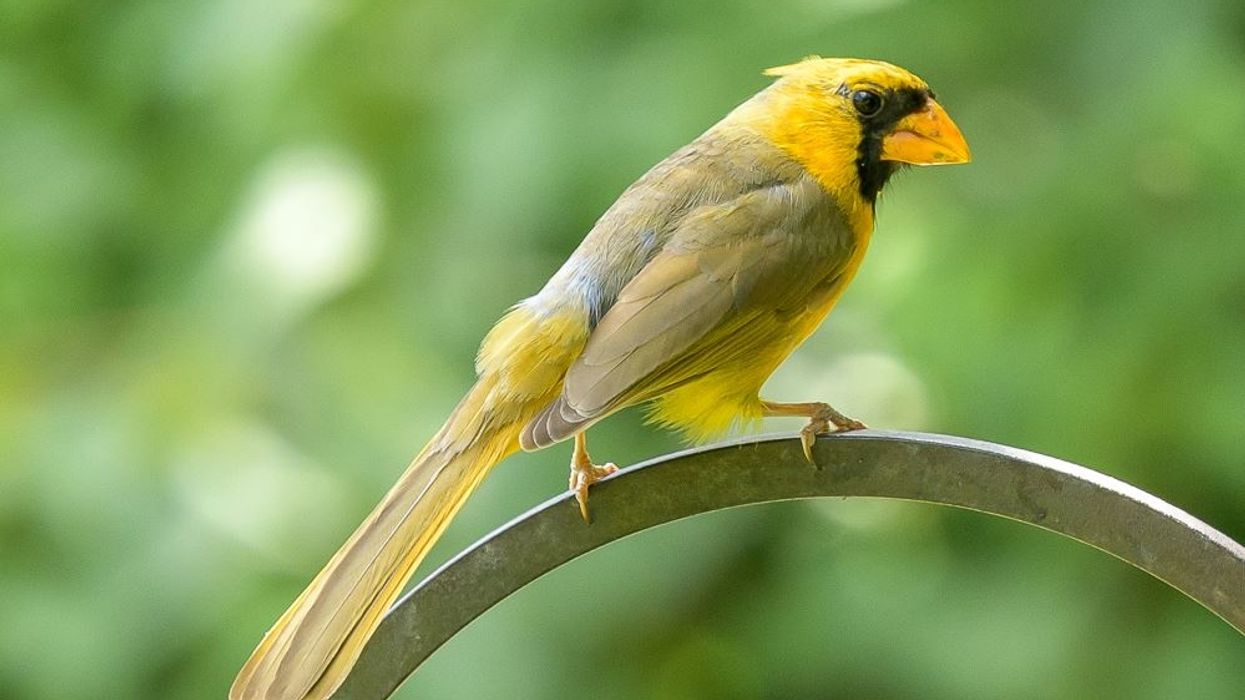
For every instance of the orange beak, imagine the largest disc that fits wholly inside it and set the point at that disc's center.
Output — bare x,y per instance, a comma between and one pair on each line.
927,137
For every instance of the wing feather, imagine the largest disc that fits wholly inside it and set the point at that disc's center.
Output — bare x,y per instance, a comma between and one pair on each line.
727,266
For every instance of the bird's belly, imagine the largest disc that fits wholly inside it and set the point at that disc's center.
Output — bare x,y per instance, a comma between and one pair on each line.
727,392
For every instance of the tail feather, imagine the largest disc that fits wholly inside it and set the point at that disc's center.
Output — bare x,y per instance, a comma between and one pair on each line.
308,652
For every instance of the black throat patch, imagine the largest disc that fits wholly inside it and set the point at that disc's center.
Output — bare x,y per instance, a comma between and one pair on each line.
872,171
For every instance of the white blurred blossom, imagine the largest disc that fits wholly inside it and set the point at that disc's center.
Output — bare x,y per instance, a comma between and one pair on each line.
306,231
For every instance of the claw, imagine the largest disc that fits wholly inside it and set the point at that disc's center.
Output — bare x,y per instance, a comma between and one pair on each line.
808,438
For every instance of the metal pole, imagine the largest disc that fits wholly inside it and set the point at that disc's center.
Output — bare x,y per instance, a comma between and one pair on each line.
1071,500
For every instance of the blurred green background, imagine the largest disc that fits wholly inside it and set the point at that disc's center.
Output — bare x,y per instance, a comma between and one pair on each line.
247,250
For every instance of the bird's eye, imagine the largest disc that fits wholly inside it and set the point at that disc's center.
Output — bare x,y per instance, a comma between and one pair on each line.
867,102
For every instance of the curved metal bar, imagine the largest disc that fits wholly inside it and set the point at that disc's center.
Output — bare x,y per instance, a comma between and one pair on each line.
1071,500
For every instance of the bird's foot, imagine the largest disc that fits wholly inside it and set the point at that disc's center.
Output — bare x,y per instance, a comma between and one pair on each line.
582,478
823,419
584,474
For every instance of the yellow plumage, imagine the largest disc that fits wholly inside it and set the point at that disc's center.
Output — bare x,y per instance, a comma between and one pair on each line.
686,295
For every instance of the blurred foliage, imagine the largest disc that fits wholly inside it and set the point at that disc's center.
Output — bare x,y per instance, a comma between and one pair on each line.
247,250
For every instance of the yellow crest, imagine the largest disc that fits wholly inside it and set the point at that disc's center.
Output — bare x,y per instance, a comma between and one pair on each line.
790,67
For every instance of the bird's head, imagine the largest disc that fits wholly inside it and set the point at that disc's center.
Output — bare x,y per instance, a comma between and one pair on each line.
852,123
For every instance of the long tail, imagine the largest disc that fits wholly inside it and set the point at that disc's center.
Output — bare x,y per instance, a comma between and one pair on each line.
308,652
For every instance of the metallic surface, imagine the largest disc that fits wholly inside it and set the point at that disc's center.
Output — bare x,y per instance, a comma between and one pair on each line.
1065,498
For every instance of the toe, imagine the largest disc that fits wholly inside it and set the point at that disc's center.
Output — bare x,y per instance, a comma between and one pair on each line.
849,425
808,438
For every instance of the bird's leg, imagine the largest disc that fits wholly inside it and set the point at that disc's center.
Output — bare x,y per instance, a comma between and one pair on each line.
584,473
820,417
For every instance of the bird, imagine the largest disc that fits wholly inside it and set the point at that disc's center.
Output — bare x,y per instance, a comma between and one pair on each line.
685,295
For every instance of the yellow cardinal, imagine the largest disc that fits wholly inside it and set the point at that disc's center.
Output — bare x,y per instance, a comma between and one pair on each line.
686,295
